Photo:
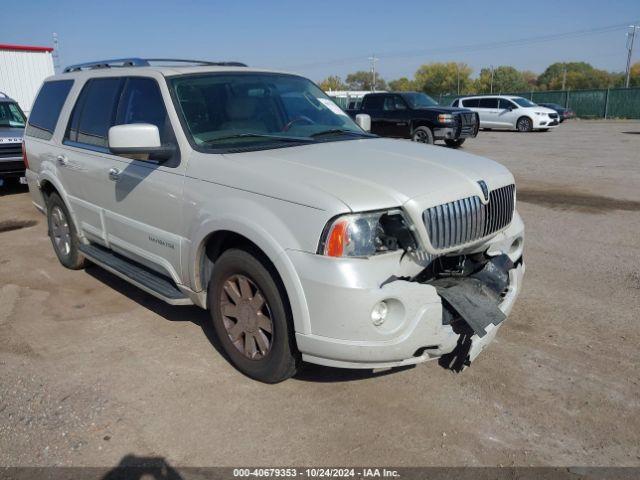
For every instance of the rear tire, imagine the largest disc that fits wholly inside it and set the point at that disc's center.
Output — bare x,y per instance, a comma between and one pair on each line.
422,135
63,234
524,124
454,143
251,317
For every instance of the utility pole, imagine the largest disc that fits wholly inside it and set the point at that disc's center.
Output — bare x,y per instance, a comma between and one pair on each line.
458,75
564,75
373,59
56,54
491,78
631,36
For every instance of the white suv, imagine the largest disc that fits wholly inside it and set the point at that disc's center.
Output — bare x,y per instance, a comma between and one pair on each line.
511,113
252,194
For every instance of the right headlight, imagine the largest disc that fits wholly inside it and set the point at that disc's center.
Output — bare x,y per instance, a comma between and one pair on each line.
367,234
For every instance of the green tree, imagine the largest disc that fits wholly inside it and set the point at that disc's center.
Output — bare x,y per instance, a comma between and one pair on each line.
578,76
363,80
332,82
445,78
505,79
531,78
402,84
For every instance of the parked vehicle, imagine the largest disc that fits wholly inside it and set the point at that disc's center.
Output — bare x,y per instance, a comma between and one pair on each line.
418,117
12,122
251,194
563,112
511,113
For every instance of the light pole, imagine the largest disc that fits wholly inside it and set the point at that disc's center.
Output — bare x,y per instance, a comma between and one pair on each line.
373,59
631,36
491,66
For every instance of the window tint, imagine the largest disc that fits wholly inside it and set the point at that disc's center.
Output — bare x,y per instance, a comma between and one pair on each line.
47,107
142,102
471,102
455,103
504,104
94,112
373,102
392,103
488,103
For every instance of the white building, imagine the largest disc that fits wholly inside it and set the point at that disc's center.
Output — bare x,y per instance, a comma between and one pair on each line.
22,70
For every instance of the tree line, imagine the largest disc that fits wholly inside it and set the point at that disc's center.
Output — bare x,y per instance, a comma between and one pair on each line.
452,78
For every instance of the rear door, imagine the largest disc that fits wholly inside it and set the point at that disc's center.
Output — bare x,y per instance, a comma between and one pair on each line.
373,106
396,117
488,112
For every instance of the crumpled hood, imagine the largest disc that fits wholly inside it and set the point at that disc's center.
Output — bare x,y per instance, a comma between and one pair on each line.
371,174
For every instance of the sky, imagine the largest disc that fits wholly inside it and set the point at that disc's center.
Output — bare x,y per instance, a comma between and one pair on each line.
322,38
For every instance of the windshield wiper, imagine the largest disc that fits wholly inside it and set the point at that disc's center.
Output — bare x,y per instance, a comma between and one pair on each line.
343,131
260,135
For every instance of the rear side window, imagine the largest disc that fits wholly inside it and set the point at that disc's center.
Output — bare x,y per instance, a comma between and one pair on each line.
471,102
46,109
94,112
371,102
488,103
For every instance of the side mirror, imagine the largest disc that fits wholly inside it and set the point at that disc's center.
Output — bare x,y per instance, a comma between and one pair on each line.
364,121
140,141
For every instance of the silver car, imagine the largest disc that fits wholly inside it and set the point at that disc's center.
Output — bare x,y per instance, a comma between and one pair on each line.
12,121
250,193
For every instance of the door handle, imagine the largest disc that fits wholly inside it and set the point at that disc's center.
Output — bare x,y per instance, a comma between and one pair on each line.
114,174
62,160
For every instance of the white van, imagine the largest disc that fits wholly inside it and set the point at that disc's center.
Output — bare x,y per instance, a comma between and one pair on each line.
509,113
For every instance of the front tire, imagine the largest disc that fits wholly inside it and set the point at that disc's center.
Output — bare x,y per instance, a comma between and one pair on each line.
454,143
422,135
524,124
251,317
63,234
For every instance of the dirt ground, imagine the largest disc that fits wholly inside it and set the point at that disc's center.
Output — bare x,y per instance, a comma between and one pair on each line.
93,370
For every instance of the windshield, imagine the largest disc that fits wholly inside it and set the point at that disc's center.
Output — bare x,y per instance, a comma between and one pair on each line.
419,100
226,111
523,102
11,116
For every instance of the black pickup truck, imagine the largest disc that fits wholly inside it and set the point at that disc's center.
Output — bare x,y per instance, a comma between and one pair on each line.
417,116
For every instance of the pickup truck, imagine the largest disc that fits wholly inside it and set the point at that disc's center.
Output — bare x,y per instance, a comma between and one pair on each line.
417,116
12,121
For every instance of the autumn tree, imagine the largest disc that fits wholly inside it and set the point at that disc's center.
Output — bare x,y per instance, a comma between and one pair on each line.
504,79
443,78
363,80
332,82
578,76
402,84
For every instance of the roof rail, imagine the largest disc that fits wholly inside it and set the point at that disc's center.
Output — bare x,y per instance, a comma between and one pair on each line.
143,62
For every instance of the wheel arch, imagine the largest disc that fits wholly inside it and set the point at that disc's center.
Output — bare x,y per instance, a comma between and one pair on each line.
225,235
527,117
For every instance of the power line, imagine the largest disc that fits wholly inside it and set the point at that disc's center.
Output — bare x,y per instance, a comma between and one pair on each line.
474,47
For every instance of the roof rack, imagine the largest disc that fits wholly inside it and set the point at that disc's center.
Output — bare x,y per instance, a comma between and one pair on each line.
144,62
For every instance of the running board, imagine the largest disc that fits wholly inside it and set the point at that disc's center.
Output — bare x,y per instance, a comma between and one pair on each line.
154,283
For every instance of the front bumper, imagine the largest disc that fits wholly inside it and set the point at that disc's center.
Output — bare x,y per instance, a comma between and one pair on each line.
545,122
12,167
340,294
453,133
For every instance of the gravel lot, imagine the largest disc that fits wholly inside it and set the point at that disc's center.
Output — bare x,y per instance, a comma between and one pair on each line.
93,370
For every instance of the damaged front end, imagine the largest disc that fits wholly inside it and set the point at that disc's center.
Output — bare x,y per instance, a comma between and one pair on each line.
473,289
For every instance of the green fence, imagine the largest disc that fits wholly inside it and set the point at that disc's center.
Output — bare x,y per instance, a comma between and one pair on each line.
605,103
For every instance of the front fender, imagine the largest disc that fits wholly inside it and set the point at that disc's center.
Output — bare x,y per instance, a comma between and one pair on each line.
257,222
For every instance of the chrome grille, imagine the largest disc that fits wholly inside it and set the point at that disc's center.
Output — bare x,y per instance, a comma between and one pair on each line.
10,150
466,220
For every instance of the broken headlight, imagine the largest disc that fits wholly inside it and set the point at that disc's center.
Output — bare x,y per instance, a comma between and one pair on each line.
367,234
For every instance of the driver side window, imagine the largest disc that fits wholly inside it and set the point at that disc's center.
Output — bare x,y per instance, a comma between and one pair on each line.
507,104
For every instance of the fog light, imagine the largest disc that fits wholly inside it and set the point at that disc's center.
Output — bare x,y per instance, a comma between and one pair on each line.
379,313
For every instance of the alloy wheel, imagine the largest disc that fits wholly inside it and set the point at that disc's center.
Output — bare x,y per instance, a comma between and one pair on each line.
60,231
246,316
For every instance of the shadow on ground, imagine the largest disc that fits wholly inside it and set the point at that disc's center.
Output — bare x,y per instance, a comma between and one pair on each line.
200,317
